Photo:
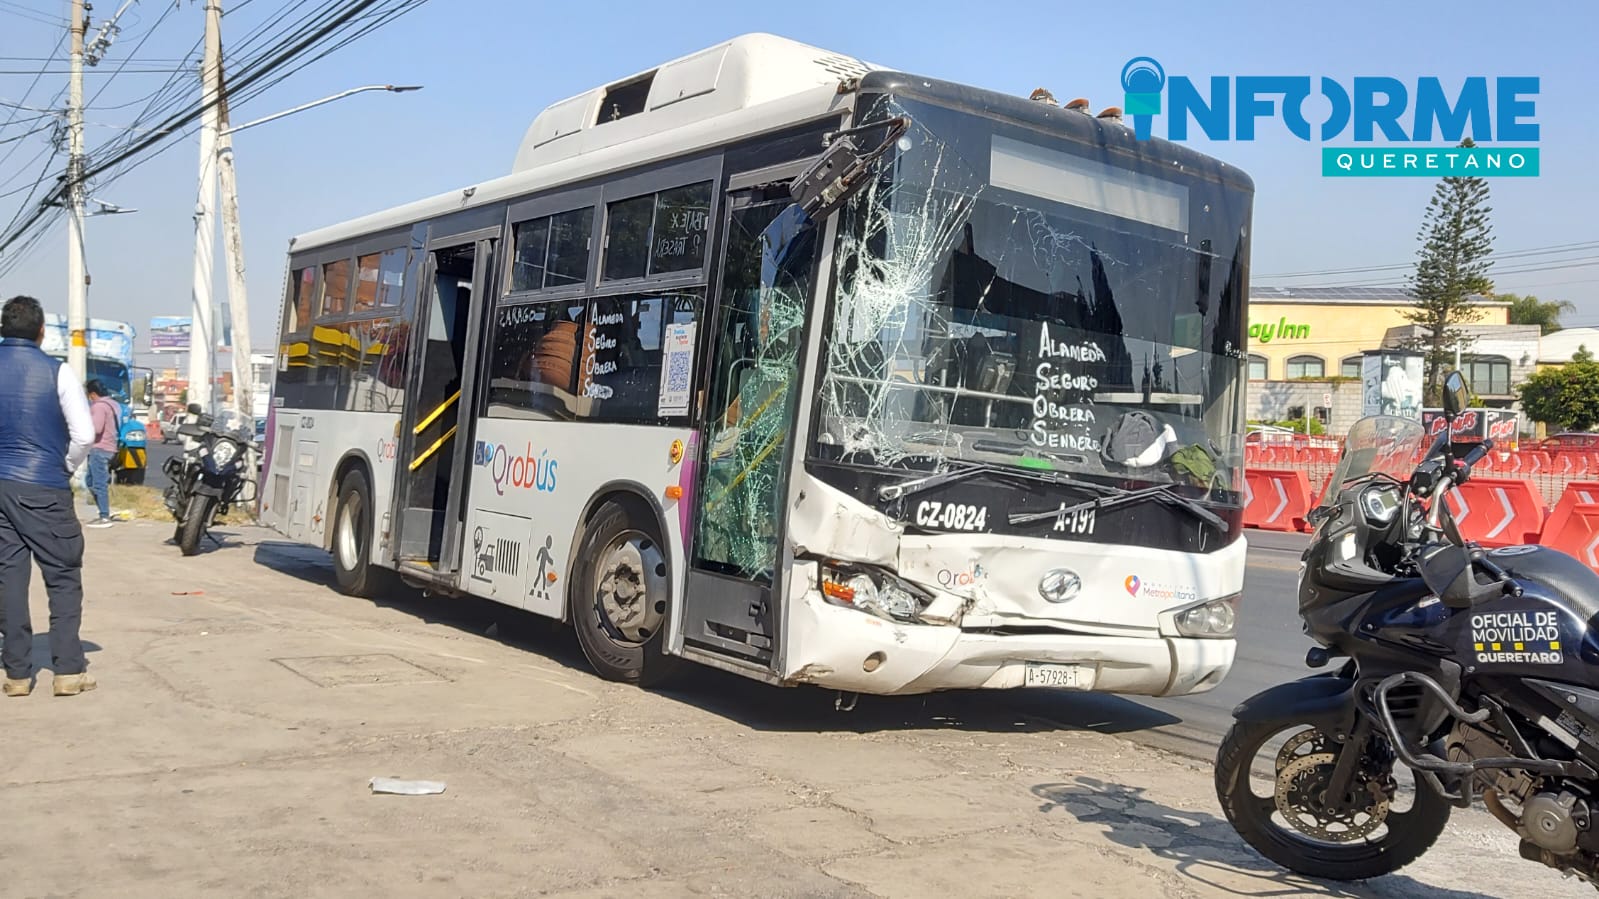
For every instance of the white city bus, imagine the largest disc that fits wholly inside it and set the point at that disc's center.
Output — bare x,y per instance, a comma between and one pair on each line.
800,368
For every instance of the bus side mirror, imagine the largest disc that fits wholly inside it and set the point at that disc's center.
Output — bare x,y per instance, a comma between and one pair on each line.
841,170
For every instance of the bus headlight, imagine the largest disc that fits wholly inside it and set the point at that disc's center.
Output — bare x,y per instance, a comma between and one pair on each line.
1213,619
875,592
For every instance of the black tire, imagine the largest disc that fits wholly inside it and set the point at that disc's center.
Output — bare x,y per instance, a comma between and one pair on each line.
621,597
1409,833
193,525
352,540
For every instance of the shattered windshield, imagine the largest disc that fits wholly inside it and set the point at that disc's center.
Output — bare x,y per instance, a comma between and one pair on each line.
1007,297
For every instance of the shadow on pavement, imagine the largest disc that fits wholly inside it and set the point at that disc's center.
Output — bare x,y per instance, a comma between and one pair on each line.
1206,848
752,703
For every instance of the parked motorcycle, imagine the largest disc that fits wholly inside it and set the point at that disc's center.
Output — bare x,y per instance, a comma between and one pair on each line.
1466,672
210,477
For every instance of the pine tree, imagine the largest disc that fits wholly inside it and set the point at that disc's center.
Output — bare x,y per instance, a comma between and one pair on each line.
1451,267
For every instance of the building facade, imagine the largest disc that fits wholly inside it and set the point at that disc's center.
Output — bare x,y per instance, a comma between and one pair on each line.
1306,347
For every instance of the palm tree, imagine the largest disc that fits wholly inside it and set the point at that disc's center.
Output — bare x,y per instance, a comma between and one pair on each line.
1529,310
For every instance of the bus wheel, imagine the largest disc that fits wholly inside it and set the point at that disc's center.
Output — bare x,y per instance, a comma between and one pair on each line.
352,539
619,603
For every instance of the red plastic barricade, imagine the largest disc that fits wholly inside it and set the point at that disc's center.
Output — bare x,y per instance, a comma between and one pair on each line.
1576,532
1578,493
1276,500
1498,511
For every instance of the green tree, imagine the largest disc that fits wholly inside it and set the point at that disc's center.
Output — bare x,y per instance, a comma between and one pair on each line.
1451,268
1529,310
1566,398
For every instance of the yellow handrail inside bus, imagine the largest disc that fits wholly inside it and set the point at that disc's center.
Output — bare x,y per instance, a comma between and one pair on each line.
434,415
428,453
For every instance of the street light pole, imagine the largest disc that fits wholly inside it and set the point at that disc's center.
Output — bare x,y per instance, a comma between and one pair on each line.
233,240
77,275
200,339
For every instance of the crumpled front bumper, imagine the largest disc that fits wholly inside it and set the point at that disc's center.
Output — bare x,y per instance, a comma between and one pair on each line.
845,649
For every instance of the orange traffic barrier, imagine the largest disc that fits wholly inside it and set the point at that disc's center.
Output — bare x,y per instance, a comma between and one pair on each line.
1576,533
1498,511
1276,500
1577,493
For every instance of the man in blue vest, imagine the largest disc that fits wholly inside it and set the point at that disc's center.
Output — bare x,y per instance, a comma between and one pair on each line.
45,432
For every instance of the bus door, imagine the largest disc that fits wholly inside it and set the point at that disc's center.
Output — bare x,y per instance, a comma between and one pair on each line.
436,443
730,604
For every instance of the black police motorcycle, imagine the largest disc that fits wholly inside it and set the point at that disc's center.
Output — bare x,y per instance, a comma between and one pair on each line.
1466,672
209,477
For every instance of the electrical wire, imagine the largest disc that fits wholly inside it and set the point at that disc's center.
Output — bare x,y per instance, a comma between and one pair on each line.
335,27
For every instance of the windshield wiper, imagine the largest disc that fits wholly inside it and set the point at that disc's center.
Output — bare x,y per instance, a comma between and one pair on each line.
918,485
1116,496
911,488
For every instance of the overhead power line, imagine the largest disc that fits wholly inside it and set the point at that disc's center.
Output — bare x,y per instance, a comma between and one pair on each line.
285,50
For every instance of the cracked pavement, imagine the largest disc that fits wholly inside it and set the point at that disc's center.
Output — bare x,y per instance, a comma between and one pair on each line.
229,748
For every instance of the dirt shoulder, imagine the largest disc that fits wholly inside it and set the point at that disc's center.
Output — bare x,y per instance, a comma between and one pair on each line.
244,706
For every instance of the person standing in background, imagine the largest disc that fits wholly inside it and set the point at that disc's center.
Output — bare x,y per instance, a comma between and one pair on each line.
45,432
107,426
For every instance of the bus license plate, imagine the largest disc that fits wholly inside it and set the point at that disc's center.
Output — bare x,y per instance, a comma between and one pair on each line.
1073,677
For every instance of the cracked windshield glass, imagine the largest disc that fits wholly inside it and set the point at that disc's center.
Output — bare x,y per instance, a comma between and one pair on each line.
1006,297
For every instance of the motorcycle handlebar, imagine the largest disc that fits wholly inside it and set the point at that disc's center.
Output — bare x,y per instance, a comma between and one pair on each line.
1452,478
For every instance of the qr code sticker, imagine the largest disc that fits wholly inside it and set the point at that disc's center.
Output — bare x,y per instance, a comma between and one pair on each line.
677,373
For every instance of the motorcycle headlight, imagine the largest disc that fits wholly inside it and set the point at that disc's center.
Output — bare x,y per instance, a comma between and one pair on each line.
874,592
1215,619
223,452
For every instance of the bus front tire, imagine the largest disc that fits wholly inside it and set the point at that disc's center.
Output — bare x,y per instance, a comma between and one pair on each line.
620,597
352,540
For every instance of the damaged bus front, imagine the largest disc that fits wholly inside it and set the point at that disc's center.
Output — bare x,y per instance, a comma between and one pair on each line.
1025,414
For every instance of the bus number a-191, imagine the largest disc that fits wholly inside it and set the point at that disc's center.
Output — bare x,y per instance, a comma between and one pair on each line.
952,516
1080,521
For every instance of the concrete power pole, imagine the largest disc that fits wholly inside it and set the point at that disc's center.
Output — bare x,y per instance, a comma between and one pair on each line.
233,258
202,343
77,273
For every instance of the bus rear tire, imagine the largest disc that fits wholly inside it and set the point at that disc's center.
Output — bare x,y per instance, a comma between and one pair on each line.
620,597
352,540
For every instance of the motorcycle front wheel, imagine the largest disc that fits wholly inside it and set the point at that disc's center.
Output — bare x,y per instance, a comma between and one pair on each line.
1272,779
192,527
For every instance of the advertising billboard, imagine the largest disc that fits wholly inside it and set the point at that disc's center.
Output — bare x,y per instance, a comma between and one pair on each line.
1390,382
1473,425
170,334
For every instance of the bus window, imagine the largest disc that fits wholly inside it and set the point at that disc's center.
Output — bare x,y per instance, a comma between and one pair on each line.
627,238
677,242
622,353
533,370
335,287
551,252
657,234
532,247
380,279
750,417
301,287
568,262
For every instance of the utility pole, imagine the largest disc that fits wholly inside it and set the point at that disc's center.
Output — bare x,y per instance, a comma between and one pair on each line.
77,274
201,340
233,258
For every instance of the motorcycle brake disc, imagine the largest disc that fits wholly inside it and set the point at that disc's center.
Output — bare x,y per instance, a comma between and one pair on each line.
1290,750
1301,798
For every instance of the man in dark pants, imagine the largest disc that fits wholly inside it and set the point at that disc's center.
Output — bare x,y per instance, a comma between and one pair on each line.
45,432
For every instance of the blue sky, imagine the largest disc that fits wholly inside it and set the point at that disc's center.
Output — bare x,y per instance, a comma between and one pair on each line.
489,66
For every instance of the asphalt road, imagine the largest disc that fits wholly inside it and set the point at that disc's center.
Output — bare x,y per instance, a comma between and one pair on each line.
156,456
1271,650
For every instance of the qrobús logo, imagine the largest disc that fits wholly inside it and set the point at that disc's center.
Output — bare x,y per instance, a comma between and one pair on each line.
1425,118
524,471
